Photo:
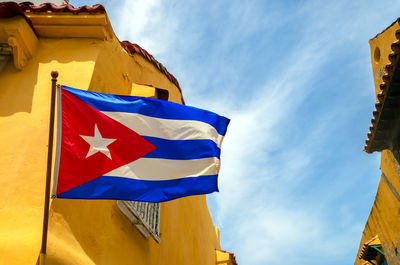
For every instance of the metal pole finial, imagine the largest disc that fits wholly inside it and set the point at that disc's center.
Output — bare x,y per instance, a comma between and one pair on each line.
54,74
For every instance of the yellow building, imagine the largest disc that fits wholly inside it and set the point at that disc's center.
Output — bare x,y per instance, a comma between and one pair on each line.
380,242
80,44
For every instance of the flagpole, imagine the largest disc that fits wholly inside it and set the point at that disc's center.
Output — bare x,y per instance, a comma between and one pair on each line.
54,75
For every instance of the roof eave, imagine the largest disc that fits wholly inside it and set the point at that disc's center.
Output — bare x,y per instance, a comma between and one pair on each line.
52,21
386,119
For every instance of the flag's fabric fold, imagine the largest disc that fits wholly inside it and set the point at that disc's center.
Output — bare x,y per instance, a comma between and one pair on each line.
134,148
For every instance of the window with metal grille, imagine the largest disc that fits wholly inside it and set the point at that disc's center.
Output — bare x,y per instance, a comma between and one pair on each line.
145,216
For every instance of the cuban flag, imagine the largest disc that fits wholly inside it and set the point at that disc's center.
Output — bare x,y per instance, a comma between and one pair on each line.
134,148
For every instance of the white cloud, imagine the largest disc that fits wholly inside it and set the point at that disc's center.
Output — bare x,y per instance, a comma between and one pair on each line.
144,22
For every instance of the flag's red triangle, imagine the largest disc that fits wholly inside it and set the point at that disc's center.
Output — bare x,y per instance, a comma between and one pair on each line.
79,118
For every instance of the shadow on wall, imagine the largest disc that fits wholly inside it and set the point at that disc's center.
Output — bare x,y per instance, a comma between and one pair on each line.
16,88
69,56
96,231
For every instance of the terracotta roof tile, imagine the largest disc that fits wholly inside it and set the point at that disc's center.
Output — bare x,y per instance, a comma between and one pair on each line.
49,7
231,256
10,9
381,133
365,247
132,48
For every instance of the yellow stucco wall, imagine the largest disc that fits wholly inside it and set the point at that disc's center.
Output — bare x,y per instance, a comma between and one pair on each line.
82,231
385,213
384,219
380,48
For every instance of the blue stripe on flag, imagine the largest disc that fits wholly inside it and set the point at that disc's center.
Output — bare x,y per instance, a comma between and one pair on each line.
150,107
182,149
142,190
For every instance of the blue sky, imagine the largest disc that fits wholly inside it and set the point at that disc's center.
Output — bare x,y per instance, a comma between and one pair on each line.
295,79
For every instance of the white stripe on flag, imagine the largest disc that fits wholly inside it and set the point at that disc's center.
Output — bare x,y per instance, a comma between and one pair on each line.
166,128
166,169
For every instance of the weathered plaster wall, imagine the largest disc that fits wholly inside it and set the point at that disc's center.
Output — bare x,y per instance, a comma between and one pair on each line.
385,213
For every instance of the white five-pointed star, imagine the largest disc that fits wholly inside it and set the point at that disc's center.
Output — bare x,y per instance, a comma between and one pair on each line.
98,143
